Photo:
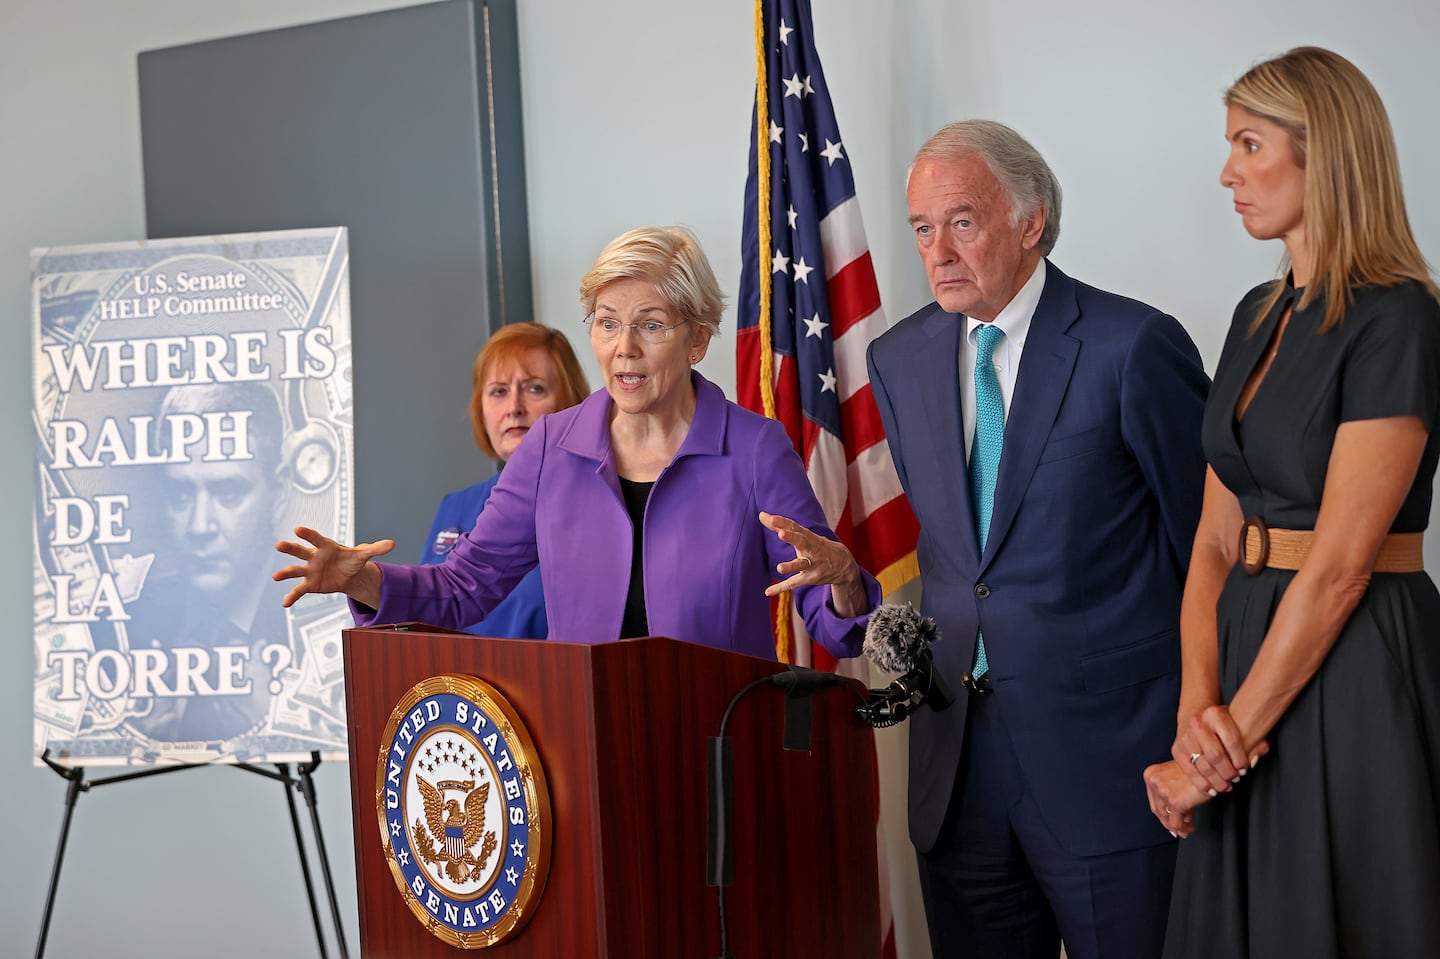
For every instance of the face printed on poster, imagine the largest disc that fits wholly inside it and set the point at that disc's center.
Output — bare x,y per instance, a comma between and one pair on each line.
192,404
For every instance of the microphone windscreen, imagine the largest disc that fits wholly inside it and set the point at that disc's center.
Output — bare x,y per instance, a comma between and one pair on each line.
897,636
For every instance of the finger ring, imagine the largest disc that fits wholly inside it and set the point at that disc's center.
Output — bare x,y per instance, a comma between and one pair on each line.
1194,758
808,561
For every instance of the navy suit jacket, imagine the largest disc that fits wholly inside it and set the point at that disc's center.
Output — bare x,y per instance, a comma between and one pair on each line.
1078,590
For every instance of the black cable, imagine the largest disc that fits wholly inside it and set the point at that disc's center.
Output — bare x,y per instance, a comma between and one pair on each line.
720,810
797,681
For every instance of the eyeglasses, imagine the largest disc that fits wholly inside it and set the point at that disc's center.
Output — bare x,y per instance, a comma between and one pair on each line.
651,331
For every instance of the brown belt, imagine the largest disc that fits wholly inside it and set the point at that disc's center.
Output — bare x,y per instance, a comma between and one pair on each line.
1262,546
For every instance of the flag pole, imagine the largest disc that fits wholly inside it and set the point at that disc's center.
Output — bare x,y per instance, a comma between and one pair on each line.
784,644
762,190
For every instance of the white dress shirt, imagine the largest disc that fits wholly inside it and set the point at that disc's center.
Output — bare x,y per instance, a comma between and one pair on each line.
1014,321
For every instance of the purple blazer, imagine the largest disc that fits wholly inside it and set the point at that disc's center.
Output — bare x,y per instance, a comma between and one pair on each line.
707,558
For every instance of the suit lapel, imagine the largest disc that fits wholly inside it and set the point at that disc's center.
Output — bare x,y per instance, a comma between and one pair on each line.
1045,369
937,377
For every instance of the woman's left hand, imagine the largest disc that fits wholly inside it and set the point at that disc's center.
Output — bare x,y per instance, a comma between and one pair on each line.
1173,797
818,561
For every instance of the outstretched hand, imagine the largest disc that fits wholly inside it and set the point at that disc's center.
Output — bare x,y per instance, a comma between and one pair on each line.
330,567
818,561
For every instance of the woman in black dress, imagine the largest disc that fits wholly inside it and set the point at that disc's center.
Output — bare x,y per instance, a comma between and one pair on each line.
1316,643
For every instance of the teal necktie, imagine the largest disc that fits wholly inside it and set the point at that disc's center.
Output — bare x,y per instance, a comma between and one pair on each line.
985,449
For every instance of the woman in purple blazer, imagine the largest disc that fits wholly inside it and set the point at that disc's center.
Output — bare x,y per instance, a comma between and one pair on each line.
655,507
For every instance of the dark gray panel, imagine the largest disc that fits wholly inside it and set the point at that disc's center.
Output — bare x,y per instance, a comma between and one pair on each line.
385,124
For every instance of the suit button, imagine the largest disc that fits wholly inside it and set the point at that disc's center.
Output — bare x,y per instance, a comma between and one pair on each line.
982,591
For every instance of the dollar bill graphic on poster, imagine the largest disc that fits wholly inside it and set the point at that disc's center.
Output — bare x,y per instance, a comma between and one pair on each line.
192,406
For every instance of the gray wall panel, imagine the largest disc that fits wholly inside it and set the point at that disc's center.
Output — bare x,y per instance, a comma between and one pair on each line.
384,123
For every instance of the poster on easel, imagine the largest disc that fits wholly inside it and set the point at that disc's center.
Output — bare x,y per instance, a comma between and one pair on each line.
192,406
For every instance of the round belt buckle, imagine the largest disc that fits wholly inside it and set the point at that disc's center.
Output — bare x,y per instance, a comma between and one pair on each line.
1258,524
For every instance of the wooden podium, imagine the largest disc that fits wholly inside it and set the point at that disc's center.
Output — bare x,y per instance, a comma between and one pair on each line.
621,730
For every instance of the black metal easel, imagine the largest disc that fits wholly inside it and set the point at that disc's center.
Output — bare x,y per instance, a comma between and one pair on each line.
303,783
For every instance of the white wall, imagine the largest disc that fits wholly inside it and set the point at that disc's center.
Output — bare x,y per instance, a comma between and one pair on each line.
636,112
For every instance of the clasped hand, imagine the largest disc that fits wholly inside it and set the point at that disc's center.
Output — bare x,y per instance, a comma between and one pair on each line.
1210,757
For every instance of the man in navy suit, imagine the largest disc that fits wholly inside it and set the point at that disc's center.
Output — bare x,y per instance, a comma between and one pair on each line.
1060,615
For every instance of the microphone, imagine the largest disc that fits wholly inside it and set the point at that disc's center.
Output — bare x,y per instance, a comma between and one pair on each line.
898,641
801,679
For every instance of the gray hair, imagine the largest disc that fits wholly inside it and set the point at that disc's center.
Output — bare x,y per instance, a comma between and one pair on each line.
1023,173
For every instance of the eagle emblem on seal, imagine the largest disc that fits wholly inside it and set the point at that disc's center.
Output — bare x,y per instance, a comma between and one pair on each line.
448,835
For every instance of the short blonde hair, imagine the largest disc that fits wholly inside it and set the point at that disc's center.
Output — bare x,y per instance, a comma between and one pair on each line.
670,259
1356,229
511,343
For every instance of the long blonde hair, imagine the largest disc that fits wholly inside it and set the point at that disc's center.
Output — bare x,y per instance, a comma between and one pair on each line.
1356,228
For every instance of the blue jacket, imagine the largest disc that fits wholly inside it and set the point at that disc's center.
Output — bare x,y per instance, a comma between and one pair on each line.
1078,590
521,615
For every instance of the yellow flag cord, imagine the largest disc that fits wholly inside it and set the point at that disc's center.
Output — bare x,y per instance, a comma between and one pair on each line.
784,642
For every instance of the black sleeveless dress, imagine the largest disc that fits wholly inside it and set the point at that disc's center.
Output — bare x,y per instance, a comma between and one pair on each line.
1331,847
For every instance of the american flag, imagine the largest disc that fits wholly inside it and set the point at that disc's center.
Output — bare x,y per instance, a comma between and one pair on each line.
809,307
803,249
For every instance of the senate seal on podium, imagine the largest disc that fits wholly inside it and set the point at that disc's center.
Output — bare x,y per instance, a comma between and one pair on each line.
464,812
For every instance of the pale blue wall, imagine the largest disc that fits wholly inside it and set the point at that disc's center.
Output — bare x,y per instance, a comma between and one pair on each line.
636,111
